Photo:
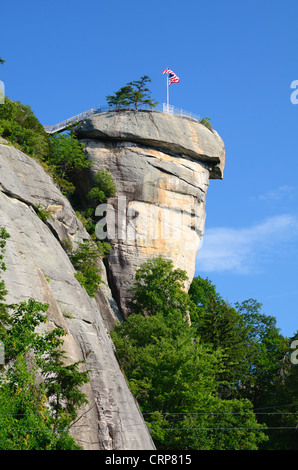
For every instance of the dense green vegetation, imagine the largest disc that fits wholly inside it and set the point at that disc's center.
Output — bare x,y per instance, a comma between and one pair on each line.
39,393
103,188
19,126
66,159
219,381
84,260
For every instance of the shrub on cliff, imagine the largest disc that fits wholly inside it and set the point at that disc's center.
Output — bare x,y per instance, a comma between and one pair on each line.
103,188
4,316
20,126
66,159
84,260
39,393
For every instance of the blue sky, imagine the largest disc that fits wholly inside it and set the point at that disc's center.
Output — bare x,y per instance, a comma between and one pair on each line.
236,61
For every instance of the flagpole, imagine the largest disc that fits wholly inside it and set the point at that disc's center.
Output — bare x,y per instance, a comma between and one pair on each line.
168,91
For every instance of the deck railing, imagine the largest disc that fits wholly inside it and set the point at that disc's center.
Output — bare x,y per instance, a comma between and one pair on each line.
65,124
163,108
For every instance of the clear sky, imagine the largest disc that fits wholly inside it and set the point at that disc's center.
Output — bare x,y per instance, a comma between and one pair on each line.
236,61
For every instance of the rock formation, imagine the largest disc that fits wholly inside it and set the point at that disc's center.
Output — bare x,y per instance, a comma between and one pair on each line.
161,164
38,267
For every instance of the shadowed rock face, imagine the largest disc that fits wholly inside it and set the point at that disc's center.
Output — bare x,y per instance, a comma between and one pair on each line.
161,165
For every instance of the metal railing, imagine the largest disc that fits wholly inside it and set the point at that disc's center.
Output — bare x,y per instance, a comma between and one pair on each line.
65,124
170,109
163,108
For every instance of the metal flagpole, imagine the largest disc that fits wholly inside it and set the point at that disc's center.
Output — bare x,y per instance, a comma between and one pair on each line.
168,91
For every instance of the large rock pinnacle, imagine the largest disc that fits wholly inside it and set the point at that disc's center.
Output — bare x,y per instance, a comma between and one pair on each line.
161,165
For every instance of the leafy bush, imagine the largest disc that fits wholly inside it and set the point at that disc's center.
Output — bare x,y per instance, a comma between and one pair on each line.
103,188
4,316
66,159
84,261
39,393
19,125
206,122
42,213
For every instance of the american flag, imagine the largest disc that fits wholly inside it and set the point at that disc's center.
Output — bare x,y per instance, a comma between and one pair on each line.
172,76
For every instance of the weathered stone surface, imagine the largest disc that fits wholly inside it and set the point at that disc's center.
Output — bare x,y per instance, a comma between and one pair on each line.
159,210
161,165
38,267
24,179
172,133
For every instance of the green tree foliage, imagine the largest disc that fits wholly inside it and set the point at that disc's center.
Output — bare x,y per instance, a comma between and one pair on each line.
140,94
4,316
39,393
42,213
206,122
173,374
282,407
158,288
134,93
2,61
19,126
103,188
84,260
266,351
271,380
66,159
121,98
62,385
34,415
25,420
222,327
257,360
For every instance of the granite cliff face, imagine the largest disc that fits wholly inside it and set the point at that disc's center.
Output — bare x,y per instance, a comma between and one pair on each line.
38,267
161,164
